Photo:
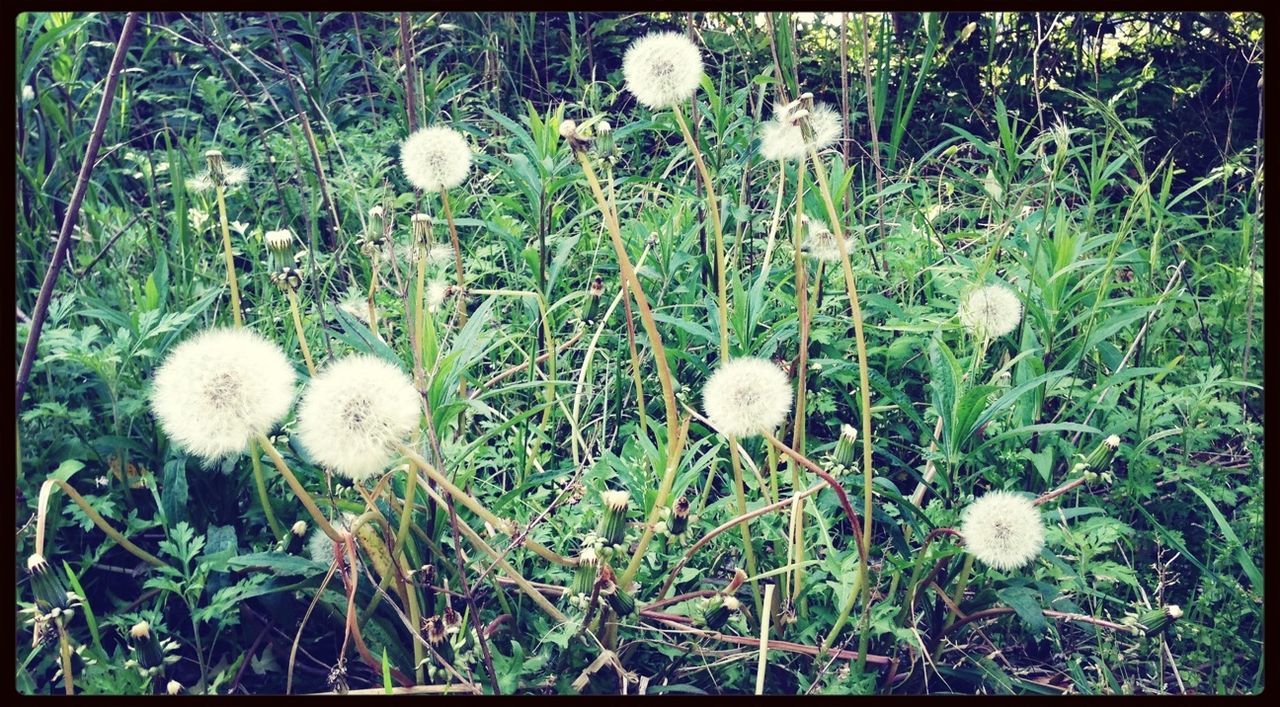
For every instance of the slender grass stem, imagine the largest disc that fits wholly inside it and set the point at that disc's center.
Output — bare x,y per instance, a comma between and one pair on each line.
457,254
226,252
713,209
302,334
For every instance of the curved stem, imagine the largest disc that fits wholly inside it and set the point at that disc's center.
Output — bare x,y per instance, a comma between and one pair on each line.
298,490
260,482
500,524
668,480
99,521
302,335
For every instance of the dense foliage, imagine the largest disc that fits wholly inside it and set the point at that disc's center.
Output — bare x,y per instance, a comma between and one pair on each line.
1102,171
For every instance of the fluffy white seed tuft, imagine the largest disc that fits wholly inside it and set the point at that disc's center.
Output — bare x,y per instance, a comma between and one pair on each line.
820,242
746,397
1003,529
782,138
662,69
435,158
991,311
219,389
353,414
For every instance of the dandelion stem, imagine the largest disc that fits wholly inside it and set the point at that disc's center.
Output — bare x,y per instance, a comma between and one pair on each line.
226,252
457,254
64,648
747,549
668,479
820,173
302,335
298,490
500,524
99,521
260,482
713,208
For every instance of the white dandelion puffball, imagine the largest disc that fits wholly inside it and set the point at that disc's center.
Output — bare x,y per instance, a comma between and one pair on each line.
354,412
1002,529
781,138
662,69
746,397
435,158
219,389
437,293
820,242
991,311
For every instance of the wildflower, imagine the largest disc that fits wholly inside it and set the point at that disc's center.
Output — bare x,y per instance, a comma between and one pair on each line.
679,516
221,388
1002,529
355,412
420,224
662,69
746,397
717,608
820,243
991,311
435,158
173,688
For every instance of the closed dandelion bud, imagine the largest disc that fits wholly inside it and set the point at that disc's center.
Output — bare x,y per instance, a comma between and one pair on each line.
1156,620
594,294
47,583
150,653
604,138
679,516
844,447
299,528
613,524
173,688
718,609
436,634
217,167
585,576
1099,459
622,603
279,242
375,221
294,541
421,225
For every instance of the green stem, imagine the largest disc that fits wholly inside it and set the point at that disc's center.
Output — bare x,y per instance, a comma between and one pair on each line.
713,209
226,251
260,481
302,335
298,490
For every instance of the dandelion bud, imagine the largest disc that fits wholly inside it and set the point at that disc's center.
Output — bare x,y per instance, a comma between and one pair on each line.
47,583
613,524
287,279
421,224
594,292
173,688
604,139
717,610
585,576
1099,459
217,167
679,516
1154,621
435,631
144,641
622,603
844,447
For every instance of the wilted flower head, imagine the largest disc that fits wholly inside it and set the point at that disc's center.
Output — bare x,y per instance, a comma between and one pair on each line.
820,243
219,389
320,546
354,412
662,69
991,311
435,158
782,138
1003,530
747,396
356,305
279,240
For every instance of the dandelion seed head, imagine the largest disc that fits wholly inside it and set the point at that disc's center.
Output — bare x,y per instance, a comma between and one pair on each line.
353,414
820,242
320,546
782,139
662,69
235,175
747,396
356,305
219,389
435,158
1003,530
201,182
991,311
437,292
